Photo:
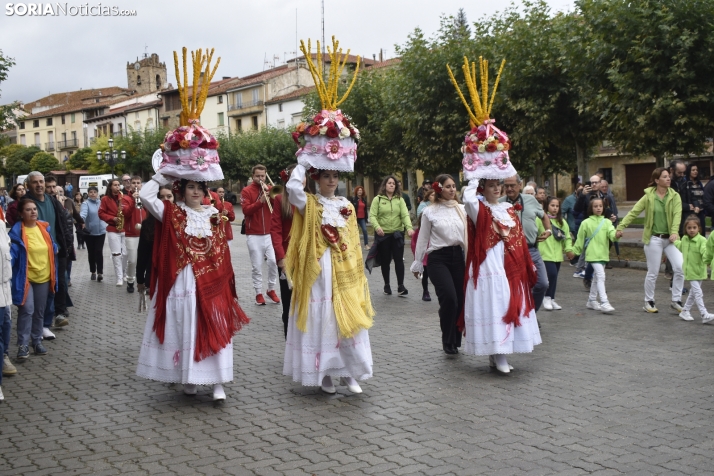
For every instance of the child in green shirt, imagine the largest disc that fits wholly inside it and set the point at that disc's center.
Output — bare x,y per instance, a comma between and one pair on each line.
694,251
599,231
552,248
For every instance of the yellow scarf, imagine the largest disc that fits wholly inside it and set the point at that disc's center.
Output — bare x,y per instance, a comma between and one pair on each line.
350,291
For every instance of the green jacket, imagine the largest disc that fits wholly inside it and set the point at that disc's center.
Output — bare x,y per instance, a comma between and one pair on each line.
551,249
599,247
693,251
709,255
389,215
672,208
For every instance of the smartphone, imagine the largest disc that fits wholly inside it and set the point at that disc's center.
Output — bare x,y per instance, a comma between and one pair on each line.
587,184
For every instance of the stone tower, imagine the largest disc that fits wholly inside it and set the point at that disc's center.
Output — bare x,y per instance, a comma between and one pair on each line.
146,75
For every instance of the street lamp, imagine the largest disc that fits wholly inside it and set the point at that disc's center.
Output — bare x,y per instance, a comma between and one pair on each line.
111,157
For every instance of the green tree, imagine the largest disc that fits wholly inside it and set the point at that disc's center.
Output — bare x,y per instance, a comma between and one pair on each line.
22,152
7,116
15,166
44,162
650,73
140,146
270,146
80,160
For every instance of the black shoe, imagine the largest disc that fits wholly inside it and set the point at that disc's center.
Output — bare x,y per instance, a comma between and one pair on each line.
450,349
39,349
130,287
587,283
387,290
100,278
94,277
402,291
426,296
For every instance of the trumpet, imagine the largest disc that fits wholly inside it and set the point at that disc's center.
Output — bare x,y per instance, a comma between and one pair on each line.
139,205
120,214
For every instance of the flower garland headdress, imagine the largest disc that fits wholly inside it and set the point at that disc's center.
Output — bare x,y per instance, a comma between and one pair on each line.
485,146
328,140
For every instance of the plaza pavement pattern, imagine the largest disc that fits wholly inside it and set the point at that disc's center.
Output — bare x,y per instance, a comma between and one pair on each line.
604,394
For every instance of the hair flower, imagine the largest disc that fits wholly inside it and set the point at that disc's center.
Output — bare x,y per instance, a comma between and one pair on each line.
436,186
314,173
284,176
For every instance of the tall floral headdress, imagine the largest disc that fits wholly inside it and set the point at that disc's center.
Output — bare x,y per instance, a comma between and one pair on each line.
328,140
190,151
485,146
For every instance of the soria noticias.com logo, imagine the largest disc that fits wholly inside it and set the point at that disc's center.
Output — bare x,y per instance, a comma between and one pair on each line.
65,9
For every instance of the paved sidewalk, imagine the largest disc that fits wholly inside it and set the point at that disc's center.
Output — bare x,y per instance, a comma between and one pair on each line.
604,394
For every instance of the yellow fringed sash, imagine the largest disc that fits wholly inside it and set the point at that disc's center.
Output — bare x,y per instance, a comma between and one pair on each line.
350,291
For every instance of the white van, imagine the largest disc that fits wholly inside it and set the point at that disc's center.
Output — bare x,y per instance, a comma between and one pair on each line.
99,181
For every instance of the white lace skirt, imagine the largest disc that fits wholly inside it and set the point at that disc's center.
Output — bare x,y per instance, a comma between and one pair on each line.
485,306
318,352
173,361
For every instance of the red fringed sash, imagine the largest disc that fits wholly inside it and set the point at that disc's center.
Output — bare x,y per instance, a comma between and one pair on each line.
518,264
219,314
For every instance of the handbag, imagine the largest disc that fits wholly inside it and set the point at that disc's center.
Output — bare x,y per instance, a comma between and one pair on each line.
242,227
558,234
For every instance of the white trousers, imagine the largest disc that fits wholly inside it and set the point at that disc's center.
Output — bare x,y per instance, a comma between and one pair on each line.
598,284
696,296
117,247
259,248
129,259
653,252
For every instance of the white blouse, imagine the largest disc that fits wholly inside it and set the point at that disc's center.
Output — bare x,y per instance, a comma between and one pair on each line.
441,226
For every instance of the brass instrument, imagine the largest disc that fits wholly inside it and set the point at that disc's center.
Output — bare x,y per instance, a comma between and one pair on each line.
139,205
120,214
267,197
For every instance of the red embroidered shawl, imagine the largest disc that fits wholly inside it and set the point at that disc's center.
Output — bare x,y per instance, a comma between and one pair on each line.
219,314
518,264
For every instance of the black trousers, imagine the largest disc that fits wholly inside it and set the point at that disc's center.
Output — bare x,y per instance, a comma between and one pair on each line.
425,280
446,272
286,295
95,246
389,249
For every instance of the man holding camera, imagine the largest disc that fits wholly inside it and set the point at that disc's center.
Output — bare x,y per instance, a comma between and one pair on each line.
592,189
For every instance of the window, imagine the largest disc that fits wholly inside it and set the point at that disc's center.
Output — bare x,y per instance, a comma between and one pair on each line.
239,100
137,125
64,137
607,175
281,123
255,122
62,118
36,123
23,140
220,99
74,138
136,115
49,121
255,96
138,79
22,124
165,122
220,119
239,125
71,118
158,82
37,139
150,124
280,107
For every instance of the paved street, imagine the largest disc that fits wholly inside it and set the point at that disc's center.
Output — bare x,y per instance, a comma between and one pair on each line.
624,393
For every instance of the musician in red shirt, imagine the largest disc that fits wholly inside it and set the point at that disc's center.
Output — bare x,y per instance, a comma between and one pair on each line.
227,211
132,230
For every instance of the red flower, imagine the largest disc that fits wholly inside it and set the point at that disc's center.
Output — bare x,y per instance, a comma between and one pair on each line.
353,132
284,176
296,137
332,132
175,146
518,207
491,147
345,122
314,173
472,147
345,212
481,135
318,119
436,186
313,130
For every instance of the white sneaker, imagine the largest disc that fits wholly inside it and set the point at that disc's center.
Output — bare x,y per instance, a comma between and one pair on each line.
556,306
7,367
2,397
650,307
677,306
218,392
580,275
47,334
686,316
707,319
547,304
120,282
606,308
594,305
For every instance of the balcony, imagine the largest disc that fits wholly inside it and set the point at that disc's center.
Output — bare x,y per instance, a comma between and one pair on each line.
67,144
246,106
49,146
119,133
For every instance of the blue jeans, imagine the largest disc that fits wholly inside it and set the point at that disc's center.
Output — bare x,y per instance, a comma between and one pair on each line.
541,286
362,222
30,315
552,268
6,325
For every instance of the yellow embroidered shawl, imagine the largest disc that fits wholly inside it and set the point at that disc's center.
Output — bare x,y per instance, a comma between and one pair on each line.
350,291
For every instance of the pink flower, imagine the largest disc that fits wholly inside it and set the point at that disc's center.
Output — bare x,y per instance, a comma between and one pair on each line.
334,150
198,160
502,161
194,143
471,162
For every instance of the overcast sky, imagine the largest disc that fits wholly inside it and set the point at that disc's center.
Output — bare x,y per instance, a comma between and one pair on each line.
65,53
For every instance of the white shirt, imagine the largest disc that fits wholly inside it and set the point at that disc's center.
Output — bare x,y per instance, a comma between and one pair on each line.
441,226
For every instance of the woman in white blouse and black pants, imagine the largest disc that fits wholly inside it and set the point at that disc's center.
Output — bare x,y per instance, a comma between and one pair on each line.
442,236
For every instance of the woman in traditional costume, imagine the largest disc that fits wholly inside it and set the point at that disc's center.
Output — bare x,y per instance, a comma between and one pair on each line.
331,308
194,310
499,311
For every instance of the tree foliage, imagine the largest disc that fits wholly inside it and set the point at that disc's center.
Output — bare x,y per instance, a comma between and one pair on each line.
44,162
7,116
140,146
650,73
80,160
270,146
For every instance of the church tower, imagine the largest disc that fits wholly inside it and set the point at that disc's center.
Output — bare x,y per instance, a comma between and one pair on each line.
146,75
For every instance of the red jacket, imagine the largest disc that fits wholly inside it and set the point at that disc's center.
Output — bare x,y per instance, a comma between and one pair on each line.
228,207
280,229
108,211
257,213
130,221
